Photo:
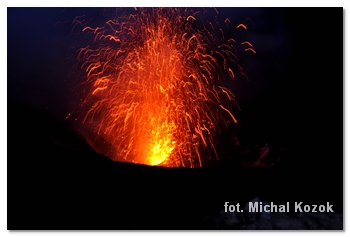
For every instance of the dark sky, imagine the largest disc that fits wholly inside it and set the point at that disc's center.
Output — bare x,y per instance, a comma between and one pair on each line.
42,46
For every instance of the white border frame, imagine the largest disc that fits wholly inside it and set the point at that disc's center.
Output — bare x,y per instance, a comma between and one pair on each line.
155,3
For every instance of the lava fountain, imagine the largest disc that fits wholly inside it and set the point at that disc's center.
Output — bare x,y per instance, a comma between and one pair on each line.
155,86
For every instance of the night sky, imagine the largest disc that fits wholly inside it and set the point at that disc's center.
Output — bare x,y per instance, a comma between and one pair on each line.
43,45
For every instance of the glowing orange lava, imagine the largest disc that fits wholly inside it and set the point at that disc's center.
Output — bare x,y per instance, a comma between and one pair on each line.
155,86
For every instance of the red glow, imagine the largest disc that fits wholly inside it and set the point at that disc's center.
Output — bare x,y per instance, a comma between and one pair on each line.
155,86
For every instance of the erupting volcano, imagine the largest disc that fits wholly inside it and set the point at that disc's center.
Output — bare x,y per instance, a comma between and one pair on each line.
156,85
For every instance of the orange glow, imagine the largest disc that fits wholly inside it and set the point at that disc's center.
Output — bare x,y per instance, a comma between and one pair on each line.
156,91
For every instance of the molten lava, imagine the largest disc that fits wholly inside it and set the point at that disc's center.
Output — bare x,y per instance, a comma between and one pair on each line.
155,86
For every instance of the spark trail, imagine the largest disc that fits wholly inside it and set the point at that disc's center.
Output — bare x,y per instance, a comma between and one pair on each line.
155,82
